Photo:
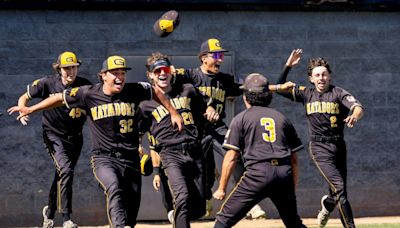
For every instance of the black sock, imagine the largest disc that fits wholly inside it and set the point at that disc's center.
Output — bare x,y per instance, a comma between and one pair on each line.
66,217
50,214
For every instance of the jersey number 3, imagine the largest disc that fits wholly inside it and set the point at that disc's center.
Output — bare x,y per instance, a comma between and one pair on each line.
269,126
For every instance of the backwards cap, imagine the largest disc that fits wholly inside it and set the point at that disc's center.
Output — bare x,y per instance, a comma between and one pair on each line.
255,82
114,62
211,45
67,59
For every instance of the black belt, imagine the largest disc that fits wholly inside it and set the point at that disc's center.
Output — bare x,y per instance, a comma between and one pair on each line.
279,161
326,139
119,154
184,146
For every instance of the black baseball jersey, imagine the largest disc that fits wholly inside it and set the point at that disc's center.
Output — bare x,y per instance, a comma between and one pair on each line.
261,133
213,88
325,111
61,120
112,118
157,118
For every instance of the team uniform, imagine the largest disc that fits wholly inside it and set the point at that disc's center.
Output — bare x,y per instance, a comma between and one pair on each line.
62,135
115,139
214,89
325,115
180,152
266,140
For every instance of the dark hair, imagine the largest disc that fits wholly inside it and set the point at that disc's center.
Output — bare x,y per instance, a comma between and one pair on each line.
258,99
201,55
313,63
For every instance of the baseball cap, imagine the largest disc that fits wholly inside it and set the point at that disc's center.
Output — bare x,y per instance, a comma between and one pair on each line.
67,59
211,45
255,82
166,24
114,62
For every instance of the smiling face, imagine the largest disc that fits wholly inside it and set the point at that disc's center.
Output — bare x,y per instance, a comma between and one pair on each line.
162,77
68,74
113,81
211,62
321,78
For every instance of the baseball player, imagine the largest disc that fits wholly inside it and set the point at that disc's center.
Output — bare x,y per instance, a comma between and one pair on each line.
62,134
180,152
327,108
215,87
268,143
111,106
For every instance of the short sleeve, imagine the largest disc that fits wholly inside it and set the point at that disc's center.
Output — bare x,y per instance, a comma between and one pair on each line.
74,97
348,100
37,88
232,137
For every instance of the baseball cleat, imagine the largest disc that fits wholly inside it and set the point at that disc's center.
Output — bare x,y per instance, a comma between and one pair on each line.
171,216
256,213
323,215
47,223
209,208
69,224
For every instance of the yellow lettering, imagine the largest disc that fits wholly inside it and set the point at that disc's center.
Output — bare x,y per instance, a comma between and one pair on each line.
117,108
110,110
156,115
93,111
123,109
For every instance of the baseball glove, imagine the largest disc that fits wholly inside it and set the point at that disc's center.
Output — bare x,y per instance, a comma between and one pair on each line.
146,166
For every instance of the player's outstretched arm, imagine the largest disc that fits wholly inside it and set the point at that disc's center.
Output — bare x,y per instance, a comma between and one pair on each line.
285,87
292,61
23,102
294,57
228,166
354,117
48,103
176,119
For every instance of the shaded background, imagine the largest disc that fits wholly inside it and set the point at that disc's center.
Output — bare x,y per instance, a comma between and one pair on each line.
359,38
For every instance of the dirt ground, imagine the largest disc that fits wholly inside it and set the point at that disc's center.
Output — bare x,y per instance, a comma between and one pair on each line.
271,223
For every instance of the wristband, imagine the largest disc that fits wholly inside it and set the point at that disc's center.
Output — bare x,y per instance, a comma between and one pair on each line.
156,170
278,87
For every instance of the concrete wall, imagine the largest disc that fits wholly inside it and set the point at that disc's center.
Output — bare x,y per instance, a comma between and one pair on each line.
362,47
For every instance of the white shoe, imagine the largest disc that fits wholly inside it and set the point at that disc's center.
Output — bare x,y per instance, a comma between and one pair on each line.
256,213
69,224
47,223
171,216
323,215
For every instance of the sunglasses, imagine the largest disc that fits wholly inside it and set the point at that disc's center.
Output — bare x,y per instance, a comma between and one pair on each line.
166,70
217,55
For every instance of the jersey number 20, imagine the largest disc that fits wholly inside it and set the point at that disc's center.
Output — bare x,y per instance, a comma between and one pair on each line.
269,126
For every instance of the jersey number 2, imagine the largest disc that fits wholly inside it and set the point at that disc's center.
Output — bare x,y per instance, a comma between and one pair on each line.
269,126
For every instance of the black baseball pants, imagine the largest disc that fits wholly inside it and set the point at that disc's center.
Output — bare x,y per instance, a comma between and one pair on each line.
64,151
331,161
259,181
184,169
121,181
